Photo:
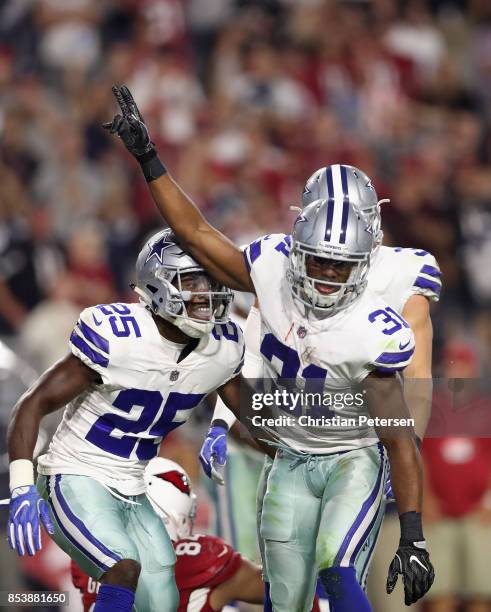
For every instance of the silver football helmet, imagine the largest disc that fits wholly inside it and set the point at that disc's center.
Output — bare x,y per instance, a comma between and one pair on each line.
168,280
333,229
333,181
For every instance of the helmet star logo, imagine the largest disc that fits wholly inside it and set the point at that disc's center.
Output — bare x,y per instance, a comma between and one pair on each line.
300,219
306,190
158,248
369,229
369,184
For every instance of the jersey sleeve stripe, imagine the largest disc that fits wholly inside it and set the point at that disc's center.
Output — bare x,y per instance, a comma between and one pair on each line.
93,337
246,259
90,353
254,250
241,363
430,270
394,358
239,367
394,368
426,283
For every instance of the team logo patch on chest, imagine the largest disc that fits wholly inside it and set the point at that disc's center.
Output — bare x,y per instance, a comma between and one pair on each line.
301,331
174,375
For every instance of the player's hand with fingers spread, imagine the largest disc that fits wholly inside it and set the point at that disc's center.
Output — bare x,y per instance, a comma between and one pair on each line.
27,511
213,454
412,561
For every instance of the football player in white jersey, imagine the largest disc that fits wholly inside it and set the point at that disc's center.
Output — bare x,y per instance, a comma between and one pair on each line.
408,279
134,373
318,323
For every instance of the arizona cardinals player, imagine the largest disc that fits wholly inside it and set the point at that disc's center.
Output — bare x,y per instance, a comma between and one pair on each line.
209,573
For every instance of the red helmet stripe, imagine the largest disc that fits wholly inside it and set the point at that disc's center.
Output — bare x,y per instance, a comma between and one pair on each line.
176,478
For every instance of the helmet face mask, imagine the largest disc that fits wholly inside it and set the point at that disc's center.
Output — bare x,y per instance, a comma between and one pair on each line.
175,287
305,288
199,298
318,185
328,269
179,526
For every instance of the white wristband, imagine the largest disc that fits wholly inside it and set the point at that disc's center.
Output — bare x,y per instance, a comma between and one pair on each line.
21,473
222,412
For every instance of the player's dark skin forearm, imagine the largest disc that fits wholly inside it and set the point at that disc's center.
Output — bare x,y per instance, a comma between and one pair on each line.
245,585
64,381
418,384
214,251
406,473
386,400
237,396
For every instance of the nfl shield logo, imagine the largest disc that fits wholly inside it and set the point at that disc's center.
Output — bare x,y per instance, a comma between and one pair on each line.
301,332
174,375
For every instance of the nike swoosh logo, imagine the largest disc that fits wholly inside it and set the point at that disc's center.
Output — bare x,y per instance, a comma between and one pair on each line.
223,552
414,558
96,321
400,563
403,346
23,504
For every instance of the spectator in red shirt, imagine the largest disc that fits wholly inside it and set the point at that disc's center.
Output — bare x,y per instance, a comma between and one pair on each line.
457,502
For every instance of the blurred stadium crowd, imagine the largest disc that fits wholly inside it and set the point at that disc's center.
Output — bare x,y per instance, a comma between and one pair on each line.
246,98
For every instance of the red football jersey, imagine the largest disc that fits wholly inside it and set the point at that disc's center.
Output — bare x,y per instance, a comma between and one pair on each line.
203,563
86,585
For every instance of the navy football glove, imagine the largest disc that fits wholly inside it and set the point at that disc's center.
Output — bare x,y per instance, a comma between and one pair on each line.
412,561
213,454
27,511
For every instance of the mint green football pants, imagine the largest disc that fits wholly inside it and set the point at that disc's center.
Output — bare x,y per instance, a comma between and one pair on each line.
235,503
318,511
97,530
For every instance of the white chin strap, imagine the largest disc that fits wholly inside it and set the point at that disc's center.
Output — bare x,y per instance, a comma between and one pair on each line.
193,328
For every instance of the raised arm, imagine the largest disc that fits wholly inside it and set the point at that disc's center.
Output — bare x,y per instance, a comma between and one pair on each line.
214,251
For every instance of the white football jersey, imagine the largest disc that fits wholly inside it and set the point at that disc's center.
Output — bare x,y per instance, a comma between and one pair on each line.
113,429
340,350
396,274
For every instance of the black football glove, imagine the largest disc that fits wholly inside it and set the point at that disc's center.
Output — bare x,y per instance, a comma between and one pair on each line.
413,563
130,126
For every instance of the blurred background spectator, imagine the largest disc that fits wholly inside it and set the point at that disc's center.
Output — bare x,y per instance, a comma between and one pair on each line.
245,99
457,501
